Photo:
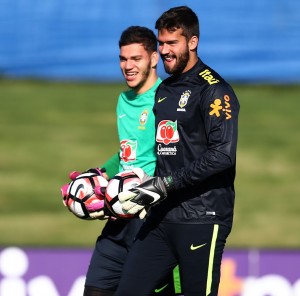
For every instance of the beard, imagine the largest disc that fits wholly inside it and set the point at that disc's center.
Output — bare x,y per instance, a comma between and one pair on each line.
145,75
181,63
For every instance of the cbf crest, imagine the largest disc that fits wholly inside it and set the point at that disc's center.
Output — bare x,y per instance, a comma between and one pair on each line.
183,100
143,119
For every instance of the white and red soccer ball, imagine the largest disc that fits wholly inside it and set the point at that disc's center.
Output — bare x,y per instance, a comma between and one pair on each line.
81,199
123,181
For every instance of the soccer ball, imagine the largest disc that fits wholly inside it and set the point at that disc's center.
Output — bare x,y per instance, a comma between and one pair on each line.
81,199
121,182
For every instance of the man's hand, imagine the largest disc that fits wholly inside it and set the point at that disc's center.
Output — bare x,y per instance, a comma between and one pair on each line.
74,174
98,171
150,192
96,209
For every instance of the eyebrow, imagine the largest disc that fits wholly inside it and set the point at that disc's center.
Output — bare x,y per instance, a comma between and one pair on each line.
168,41
131,57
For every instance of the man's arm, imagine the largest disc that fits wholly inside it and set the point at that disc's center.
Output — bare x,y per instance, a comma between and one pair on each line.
112,166
222,132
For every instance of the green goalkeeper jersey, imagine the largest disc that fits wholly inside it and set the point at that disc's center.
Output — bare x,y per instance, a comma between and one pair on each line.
136,130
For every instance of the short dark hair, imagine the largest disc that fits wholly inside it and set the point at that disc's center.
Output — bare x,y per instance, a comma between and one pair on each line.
179,17
140,35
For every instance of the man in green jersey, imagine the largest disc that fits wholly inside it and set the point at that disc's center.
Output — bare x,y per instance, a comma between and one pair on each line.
136,130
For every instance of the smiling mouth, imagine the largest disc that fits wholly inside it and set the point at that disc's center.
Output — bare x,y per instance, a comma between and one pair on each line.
168,58
130,75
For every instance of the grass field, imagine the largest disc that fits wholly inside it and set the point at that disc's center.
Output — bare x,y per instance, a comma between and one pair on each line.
48,129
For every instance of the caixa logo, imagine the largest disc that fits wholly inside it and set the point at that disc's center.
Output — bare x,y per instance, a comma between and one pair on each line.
128,150
167,132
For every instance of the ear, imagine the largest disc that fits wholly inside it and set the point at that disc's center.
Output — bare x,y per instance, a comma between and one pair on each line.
193,43
154,59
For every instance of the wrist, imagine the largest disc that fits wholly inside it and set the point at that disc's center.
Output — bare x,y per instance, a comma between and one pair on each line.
103,173
169,184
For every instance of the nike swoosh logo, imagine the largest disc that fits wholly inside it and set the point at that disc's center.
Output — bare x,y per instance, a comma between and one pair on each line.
161,99
123,115
154,195
193,248
160,289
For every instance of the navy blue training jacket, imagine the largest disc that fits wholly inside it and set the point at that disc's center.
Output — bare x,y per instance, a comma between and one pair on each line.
196,138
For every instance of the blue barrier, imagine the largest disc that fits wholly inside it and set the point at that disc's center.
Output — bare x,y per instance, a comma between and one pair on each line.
247,41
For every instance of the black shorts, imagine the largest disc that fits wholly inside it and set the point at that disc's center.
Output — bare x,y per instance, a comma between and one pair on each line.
197,248
110,252
109,255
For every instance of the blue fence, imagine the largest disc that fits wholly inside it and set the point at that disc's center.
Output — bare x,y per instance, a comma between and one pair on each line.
246,41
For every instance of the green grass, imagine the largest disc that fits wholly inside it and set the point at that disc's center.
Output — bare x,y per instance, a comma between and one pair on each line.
49,128
267,186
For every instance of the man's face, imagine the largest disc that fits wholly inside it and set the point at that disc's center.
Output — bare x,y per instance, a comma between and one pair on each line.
174,51
135,64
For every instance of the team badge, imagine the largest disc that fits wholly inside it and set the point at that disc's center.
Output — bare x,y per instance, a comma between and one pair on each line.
143,120
183,100
144,117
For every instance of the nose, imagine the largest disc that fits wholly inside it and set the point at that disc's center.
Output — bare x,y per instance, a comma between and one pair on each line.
164,48
128,64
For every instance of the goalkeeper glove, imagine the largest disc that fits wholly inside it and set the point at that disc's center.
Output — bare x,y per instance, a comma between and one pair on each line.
98,171
150,192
